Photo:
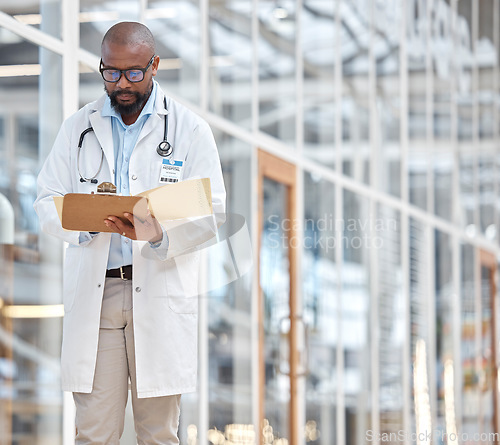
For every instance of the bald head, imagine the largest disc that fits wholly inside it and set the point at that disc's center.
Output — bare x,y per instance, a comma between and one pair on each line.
129,34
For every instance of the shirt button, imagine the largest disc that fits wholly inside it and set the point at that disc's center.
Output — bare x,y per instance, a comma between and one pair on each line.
137,289
126,240
126,159
134,177
99,285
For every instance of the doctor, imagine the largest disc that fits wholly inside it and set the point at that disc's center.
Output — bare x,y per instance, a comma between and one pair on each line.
129,296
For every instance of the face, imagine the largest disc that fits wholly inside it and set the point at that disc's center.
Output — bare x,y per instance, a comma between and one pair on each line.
128,98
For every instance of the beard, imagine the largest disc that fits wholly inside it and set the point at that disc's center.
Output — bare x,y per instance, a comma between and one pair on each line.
129,108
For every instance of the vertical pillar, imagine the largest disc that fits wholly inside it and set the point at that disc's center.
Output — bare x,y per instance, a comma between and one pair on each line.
6,297
373,256
340,415
50,252
71,40
241,370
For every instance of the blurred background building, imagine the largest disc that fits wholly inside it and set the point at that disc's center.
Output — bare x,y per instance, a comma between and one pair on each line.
360,140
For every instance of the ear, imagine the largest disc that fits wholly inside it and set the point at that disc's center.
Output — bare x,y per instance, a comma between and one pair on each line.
155,65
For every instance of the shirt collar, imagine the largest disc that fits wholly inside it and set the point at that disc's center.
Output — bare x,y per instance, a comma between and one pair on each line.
108,110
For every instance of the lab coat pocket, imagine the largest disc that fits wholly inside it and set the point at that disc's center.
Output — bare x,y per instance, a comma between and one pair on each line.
182,284
71,276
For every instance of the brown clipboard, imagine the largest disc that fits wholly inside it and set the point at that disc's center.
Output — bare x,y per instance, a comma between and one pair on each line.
86,213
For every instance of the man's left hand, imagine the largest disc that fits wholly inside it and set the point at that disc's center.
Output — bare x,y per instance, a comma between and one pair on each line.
136,228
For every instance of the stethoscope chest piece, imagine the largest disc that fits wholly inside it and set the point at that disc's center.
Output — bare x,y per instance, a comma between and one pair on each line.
164,149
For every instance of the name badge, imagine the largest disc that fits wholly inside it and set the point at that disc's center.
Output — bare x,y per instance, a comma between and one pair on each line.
171,171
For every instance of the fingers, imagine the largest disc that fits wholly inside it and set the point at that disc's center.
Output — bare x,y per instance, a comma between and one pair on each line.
135,220
118,226
130,217
135,228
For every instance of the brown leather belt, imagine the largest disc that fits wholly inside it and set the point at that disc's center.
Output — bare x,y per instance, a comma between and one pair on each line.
124,272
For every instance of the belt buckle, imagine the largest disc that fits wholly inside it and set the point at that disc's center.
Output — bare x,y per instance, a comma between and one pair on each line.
122,274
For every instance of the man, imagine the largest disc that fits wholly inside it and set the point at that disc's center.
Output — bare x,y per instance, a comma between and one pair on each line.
129,296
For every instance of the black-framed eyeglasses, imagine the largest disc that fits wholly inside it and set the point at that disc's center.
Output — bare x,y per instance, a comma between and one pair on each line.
131,74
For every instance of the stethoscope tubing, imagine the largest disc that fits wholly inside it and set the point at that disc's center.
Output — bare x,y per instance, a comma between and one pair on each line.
164,148
93,179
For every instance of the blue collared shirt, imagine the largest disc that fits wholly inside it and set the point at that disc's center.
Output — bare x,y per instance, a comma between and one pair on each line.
124,140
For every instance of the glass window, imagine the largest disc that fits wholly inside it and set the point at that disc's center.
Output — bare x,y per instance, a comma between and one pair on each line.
487,373
388,98
445,361
229,306
487,177
3,150
355,44
485,96
277,65
356,310
391,307
355,134
43,15
419,132
96,17
417,171
176,27
231,61
30,271
421,345
464,65
496,169
466,97
319,94
91,85
228,303
467,190
487,59
443,176
442,48
275,283
469,383
320,300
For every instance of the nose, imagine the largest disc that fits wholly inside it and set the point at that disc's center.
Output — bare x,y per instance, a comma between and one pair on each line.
123,81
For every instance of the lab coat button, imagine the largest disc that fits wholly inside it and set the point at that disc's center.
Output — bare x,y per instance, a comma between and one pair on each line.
134,177
137,289
99,285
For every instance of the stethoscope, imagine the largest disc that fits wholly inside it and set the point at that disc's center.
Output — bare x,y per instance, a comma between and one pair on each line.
164,149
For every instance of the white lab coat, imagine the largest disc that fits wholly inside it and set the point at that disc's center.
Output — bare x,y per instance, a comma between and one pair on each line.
164,287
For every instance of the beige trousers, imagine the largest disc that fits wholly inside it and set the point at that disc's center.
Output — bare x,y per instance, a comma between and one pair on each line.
100,414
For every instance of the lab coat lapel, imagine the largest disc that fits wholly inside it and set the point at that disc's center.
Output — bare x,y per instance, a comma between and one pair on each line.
102,130
156,117
148,127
